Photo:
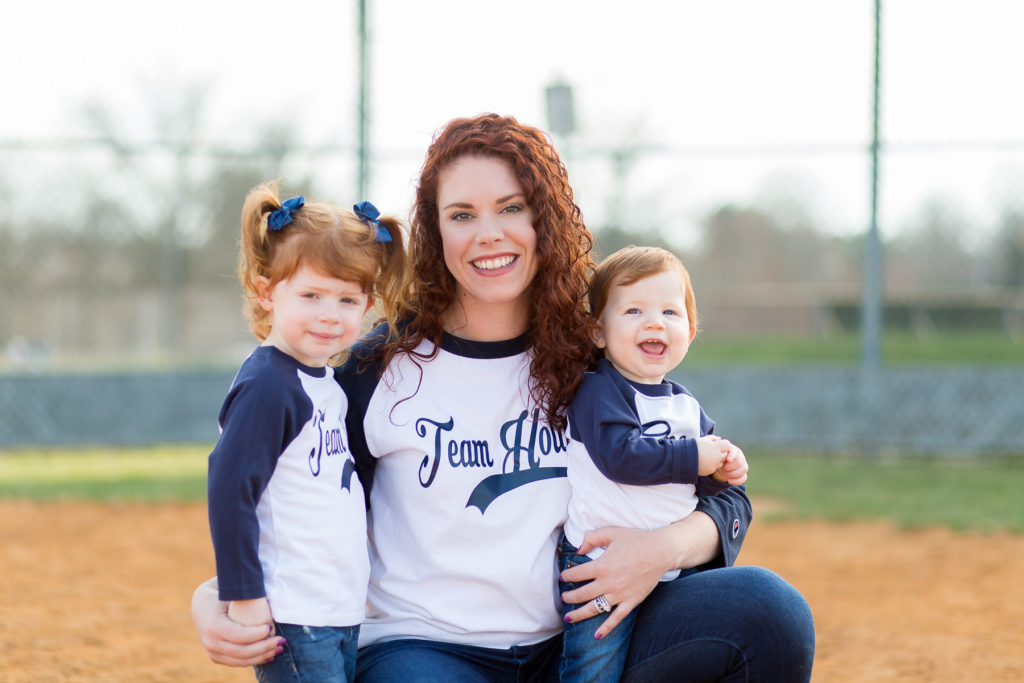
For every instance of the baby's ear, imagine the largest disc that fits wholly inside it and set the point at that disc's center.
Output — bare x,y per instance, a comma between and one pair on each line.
597,336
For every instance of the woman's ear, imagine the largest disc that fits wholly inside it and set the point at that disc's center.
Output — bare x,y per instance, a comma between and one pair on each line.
264,293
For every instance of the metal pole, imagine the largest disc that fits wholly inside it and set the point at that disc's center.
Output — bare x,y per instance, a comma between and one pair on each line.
362,180
871,306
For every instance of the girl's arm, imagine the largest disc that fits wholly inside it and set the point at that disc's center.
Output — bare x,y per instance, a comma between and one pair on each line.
635,559
228,642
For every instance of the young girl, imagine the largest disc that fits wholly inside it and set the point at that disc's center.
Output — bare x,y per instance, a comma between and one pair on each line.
287,516
641,449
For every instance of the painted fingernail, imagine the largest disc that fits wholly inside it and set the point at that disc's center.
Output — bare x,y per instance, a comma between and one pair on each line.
282,642
598,636
567,619
278,651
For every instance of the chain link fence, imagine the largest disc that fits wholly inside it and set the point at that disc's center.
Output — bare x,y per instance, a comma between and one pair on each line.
120,312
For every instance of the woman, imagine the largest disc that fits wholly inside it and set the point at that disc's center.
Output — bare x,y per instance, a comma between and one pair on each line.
456,420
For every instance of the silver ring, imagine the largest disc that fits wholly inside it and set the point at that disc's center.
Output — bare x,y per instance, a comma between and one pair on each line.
601,603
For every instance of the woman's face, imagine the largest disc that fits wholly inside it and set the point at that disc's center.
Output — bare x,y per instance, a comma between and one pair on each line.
490,245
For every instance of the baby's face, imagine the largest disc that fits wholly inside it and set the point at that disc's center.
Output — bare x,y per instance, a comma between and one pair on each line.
644,328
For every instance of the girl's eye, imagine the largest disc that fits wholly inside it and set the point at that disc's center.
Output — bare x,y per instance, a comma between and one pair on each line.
309,295
349,300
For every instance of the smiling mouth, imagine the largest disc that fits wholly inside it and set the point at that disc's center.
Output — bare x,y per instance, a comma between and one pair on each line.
653,347
494,263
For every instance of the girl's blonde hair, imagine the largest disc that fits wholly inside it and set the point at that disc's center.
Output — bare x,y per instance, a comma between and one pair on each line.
630,264
328,239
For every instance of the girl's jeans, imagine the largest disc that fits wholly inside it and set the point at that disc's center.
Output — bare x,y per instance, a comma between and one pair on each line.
313,653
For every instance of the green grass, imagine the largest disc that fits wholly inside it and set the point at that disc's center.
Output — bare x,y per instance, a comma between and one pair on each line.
970,494
898,349
164,473
979,495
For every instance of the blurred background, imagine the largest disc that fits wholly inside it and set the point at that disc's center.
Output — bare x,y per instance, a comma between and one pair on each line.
845,182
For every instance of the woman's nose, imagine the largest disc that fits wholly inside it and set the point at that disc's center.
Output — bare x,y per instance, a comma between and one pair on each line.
488,230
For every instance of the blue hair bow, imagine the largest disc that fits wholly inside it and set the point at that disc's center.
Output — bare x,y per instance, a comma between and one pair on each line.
369,214
284,215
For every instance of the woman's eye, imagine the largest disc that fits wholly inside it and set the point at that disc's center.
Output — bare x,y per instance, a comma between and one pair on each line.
460,216
512,208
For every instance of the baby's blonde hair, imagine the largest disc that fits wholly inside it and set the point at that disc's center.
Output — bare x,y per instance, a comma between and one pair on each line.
632,263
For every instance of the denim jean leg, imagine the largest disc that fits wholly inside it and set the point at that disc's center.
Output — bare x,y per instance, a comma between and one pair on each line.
730,624
426,661
586,659
313,653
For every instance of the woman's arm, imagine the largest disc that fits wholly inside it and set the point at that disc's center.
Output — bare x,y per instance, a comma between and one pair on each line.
635,559
228,642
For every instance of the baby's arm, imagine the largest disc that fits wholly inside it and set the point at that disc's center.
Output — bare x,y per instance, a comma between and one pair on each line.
250,612
712,453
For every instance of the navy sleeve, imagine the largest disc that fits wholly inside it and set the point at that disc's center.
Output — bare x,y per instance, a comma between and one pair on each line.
708,486
732,513
255,428
602,418
359,377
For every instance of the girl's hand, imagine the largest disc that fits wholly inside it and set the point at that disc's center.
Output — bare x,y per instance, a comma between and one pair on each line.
250,612
625,574
228,642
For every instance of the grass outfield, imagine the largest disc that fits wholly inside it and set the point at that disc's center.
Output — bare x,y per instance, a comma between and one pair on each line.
899,349
979,495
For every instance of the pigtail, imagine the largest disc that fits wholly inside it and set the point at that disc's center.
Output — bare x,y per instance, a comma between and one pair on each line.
391,280
254,252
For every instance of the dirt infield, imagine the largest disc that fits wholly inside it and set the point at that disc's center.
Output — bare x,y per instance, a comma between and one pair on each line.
100,593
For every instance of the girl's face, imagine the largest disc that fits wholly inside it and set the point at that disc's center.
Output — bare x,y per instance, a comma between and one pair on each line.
314,316
490,245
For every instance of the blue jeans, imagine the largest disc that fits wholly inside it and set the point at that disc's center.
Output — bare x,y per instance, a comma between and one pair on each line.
426,661
732,624
584,658
320,654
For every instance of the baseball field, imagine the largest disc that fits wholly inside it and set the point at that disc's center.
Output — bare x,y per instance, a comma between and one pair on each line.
97,577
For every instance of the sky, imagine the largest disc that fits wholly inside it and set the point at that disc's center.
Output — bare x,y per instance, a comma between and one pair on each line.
740,101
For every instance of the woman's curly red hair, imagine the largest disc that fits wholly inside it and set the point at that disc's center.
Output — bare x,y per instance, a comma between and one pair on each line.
558,322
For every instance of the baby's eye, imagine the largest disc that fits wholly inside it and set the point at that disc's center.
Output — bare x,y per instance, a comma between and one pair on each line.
632,311
669,312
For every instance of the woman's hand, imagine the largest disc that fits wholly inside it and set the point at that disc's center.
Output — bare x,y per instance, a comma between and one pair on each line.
633,562
228,642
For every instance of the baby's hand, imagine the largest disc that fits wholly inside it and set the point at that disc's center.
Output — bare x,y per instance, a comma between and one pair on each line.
734,469
711,453
250,612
